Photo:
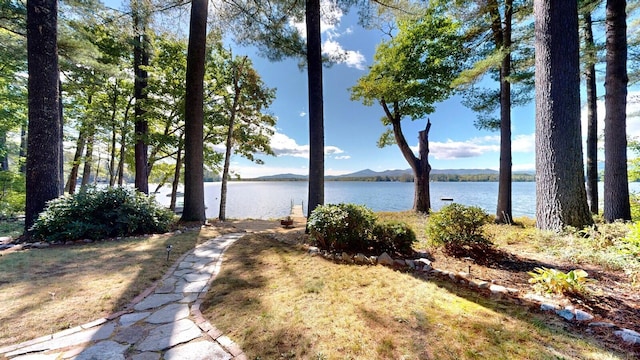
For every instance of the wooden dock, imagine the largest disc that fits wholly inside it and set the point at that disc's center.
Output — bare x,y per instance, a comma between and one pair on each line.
296,211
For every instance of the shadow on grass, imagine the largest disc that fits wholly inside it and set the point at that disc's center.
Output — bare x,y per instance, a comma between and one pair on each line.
237,301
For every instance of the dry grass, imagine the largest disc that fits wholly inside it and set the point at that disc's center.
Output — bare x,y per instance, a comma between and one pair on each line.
277,302
48,290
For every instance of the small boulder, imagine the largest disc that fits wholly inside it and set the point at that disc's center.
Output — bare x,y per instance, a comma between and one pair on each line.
360,258
629,336
385,259
565,314
583,315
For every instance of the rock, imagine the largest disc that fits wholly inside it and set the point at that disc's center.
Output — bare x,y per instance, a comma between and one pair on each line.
399,263
6,246
565,314
548,307
602,324
361,259
201,350
157,300
463,275
497,289
166,336
423,262
452,276
583,315
87,241
410,264
169,313
628,336
40,245
129,319
346,257
313,251
385,259
107,350
483,284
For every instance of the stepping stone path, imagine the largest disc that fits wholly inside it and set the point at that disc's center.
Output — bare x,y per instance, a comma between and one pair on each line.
164,322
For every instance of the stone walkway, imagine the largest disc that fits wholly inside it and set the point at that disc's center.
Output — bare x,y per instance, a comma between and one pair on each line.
164,322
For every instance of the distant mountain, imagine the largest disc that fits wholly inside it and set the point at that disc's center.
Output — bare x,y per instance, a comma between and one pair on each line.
368,173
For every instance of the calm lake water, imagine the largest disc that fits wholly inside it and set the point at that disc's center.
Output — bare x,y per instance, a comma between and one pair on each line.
273,199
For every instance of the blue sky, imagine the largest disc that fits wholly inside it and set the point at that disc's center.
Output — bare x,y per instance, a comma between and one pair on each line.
352,129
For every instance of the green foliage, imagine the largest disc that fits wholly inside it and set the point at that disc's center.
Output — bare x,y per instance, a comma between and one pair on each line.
12,193
557,282
393,237
634,201
457,227
341,226
101,213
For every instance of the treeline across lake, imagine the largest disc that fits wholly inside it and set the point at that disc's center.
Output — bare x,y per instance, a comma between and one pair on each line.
517,177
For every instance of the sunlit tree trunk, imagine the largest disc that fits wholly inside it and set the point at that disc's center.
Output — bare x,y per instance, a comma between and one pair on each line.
560,192
140,60
73,174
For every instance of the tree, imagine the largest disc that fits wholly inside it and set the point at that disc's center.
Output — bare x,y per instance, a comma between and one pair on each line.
194,209
248,127
412,72
560,192
616,183
489,30
141,18
43,144
316,103
590,56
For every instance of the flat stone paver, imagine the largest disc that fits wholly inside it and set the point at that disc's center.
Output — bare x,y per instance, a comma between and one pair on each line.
163,321
201,350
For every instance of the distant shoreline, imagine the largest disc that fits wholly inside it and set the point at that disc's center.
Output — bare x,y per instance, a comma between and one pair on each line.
404,178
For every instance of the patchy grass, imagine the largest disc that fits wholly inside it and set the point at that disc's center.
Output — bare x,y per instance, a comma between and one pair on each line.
11,227
48,290
276,301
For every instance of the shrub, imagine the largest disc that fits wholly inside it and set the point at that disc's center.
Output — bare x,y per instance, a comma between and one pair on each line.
12,194
393,237
557,282
97,214
341,226
458,228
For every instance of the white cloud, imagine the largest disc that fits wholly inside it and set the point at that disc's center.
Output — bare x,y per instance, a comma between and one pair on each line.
633,116
337,53
303,114
523,143
460,149
331,15
342,157
282,145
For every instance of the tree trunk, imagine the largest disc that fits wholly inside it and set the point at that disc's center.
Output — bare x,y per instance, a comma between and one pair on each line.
592,115
194,209
123,143
88,157
23,149
503,211
112,152
422,196
316,111
43,143
176,178
140,59
616,182
560,193
73,174
4,154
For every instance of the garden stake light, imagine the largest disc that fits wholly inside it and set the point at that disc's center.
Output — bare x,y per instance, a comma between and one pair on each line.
169,247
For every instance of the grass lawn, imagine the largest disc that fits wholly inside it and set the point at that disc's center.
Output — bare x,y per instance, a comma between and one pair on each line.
43,291
278,302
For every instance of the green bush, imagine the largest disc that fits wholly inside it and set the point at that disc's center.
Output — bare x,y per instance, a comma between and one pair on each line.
345,227
98,214
393,237
458,228
12,194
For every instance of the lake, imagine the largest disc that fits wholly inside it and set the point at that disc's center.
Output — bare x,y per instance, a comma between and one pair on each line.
273,199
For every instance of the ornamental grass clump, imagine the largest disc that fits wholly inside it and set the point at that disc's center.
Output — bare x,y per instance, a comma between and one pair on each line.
458,228
101,213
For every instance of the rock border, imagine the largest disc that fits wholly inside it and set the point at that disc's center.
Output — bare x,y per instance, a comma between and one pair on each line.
423,266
